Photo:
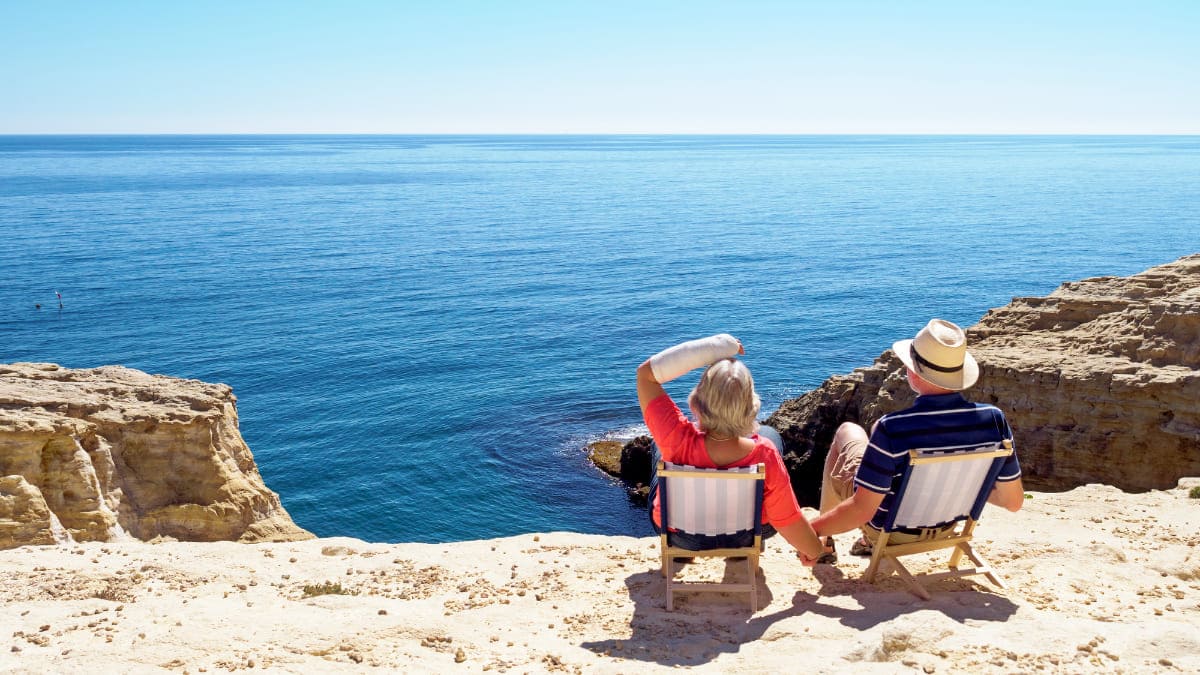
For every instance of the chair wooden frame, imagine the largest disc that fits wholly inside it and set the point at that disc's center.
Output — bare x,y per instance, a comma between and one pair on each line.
750,553
952,530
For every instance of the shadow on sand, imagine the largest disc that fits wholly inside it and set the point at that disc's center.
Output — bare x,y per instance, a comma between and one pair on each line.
706,625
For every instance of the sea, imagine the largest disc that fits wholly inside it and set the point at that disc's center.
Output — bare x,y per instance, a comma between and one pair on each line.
425,332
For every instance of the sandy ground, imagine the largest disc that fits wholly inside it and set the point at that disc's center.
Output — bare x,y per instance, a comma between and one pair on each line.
1098,580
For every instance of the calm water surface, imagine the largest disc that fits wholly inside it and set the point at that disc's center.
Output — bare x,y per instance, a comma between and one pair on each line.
424,331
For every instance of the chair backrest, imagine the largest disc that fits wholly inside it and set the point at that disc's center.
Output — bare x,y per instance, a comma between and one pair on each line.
711,501
944,485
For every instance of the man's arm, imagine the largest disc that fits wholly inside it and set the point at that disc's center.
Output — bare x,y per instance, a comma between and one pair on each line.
850,514
1009,494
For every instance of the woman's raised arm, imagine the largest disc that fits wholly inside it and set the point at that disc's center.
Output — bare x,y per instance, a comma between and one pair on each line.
682,358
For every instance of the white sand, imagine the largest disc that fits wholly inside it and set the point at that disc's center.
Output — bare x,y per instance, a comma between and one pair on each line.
1098,580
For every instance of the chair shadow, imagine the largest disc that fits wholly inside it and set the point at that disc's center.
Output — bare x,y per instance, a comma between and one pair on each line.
961,599
701,627
705,625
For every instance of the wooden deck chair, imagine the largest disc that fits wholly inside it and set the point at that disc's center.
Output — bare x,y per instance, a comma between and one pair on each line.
941,494
710,502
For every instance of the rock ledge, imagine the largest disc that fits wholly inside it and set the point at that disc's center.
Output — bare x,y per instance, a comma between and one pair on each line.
108,453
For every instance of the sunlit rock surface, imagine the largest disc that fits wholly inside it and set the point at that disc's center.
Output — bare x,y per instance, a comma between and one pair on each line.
108,453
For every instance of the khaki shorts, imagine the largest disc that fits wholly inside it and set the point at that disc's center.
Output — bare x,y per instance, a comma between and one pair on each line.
837,478
894,538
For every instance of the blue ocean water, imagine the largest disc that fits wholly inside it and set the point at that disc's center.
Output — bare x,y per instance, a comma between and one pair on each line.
424,331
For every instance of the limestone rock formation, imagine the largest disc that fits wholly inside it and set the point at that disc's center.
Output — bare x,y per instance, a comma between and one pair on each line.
1100,381
24,516
105,453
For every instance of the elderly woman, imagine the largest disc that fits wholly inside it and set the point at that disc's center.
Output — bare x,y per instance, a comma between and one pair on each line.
726,433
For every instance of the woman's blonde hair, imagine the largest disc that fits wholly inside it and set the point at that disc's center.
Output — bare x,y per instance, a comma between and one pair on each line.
725,401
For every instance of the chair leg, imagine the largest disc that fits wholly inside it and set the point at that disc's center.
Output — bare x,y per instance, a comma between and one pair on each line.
984,567
995,579
876,557
965,547
956,557
666,562
752,568
666,571
914,585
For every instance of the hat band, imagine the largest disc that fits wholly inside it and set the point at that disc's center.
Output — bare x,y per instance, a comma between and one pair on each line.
929,364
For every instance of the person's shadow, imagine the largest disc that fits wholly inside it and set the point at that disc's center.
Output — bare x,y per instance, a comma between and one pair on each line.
706,625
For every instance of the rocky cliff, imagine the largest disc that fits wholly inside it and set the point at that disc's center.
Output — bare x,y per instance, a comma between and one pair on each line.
1100,380
109,453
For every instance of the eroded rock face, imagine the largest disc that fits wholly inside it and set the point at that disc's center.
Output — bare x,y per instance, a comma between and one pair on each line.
104,453
24,516
1100,381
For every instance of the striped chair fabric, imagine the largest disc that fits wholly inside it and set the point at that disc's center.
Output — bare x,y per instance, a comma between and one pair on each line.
700,505
711,502
941,494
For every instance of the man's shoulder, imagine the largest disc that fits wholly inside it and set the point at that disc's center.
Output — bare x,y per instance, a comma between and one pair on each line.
980,407
928,409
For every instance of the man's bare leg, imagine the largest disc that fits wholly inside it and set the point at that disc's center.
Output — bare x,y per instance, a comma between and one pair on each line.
837,478
841,464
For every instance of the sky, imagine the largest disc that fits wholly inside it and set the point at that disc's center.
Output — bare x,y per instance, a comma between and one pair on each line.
617,66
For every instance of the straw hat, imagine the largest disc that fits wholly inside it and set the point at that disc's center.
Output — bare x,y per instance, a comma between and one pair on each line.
938,355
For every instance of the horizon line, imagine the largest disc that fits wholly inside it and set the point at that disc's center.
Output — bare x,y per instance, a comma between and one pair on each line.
592,133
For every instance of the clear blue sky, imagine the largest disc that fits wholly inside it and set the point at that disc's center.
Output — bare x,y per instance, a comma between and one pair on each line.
646,66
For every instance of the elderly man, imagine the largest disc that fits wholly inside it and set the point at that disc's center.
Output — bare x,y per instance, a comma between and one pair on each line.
861,473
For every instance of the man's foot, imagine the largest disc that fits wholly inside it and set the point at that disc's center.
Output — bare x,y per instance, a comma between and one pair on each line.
862,547
829,555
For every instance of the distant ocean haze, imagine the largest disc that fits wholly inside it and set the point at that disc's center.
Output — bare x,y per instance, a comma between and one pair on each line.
425,331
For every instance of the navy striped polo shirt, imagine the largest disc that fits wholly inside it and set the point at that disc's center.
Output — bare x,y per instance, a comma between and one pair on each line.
934,421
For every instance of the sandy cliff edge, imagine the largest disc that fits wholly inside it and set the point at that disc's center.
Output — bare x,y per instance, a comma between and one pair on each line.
1098,580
